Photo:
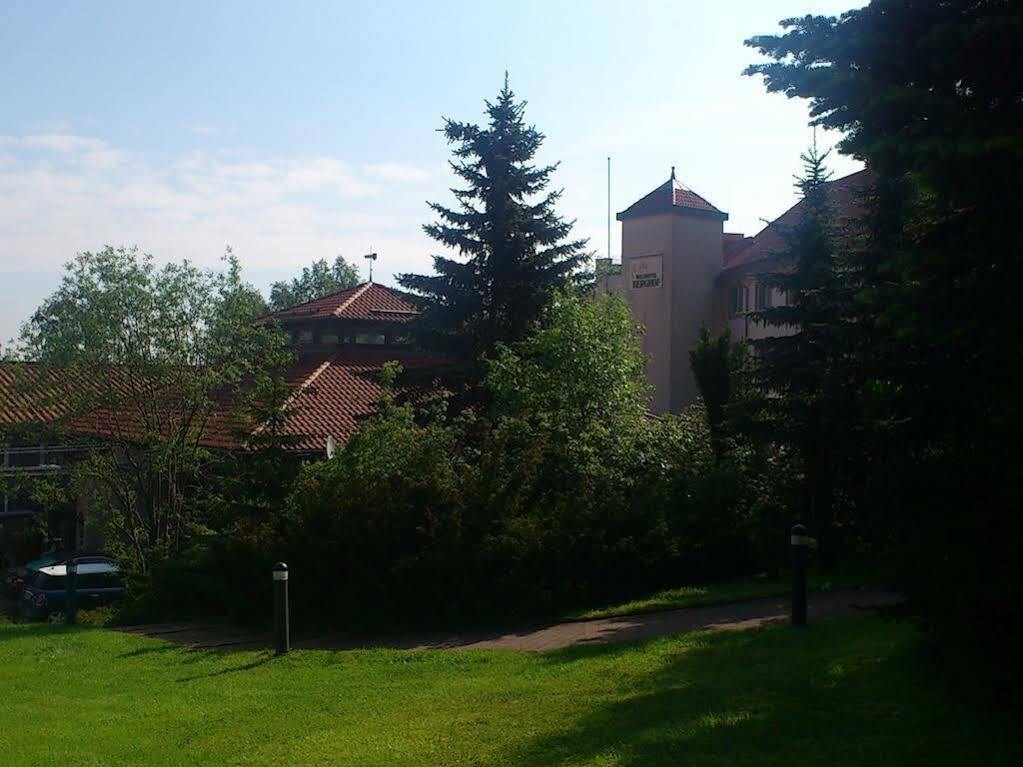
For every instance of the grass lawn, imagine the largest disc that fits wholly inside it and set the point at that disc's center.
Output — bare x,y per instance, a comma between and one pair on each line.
846,692
720,592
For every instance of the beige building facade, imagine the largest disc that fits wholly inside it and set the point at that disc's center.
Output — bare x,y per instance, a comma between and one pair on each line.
680,270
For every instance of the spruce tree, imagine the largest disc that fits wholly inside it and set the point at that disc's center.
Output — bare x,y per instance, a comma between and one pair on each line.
719,364
930,96
515,252
795,371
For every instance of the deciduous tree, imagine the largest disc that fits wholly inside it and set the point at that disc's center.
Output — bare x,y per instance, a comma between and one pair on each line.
316,280
147,359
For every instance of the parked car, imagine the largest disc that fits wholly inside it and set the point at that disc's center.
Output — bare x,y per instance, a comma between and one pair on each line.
45,593
16,577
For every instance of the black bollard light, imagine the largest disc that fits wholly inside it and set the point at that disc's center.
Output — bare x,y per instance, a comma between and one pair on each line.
800,557
282,624
71,590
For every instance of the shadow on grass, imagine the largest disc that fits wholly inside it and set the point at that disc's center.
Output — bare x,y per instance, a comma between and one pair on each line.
839,693
263,659
155,649
23,630
191,656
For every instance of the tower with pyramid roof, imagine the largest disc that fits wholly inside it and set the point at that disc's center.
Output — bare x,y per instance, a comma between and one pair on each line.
671,257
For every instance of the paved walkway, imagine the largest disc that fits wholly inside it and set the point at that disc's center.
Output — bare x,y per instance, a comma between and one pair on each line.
726,617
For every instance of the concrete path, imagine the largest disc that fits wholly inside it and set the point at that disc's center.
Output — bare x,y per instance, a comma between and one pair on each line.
203,636
726,617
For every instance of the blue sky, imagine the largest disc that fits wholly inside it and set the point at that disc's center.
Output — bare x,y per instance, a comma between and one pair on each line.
295,131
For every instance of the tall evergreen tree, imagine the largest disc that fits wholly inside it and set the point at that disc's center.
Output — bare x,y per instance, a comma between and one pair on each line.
718,363
516,253
795,371
930,95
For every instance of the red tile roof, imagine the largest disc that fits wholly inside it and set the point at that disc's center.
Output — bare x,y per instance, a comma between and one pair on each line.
332,393
368,301
17,406
687,198
337,392
670,197
733,243
844,197
100,402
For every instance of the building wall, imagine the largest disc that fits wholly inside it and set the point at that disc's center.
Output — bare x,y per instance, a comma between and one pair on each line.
651,306
696,259
672,313
743,328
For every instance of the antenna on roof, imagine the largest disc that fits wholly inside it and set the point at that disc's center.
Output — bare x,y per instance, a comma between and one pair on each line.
609,211
372,257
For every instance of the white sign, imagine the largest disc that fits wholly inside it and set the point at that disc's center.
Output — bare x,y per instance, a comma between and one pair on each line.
645,272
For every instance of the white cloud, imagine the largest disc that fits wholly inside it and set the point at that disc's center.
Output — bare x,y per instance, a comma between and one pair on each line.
56,142
397,172
61,194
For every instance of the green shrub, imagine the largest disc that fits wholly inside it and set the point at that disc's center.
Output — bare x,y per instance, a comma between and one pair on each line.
558,491
378,526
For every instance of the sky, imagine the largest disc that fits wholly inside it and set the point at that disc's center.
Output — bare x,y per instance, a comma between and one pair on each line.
303,130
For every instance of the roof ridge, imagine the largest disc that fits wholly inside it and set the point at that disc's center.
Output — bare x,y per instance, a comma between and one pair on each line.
301,388
316,373
347,302
308,301
669,198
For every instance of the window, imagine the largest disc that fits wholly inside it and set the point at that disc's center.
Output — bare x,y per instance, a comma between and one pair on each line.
47,582
764,297
328,338
110,580
304,336
25,458
738,299
401,339
735,300
103,580
369,337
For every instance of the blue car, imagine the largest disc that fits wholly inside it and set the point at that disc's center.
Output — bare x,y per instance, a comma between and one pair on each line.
16,577
45,593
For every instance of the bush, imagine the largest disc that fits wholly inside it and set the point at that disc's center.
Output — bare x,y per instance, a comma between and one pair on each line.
561,490
379,527
217,577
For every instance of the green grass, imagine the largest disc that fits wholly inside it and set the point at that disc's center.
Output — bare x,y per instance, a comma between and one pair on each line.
848,692
722,592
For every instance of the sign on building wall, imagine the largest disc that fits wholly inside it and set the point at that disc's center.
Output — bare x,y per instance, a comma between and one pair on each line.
645,271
